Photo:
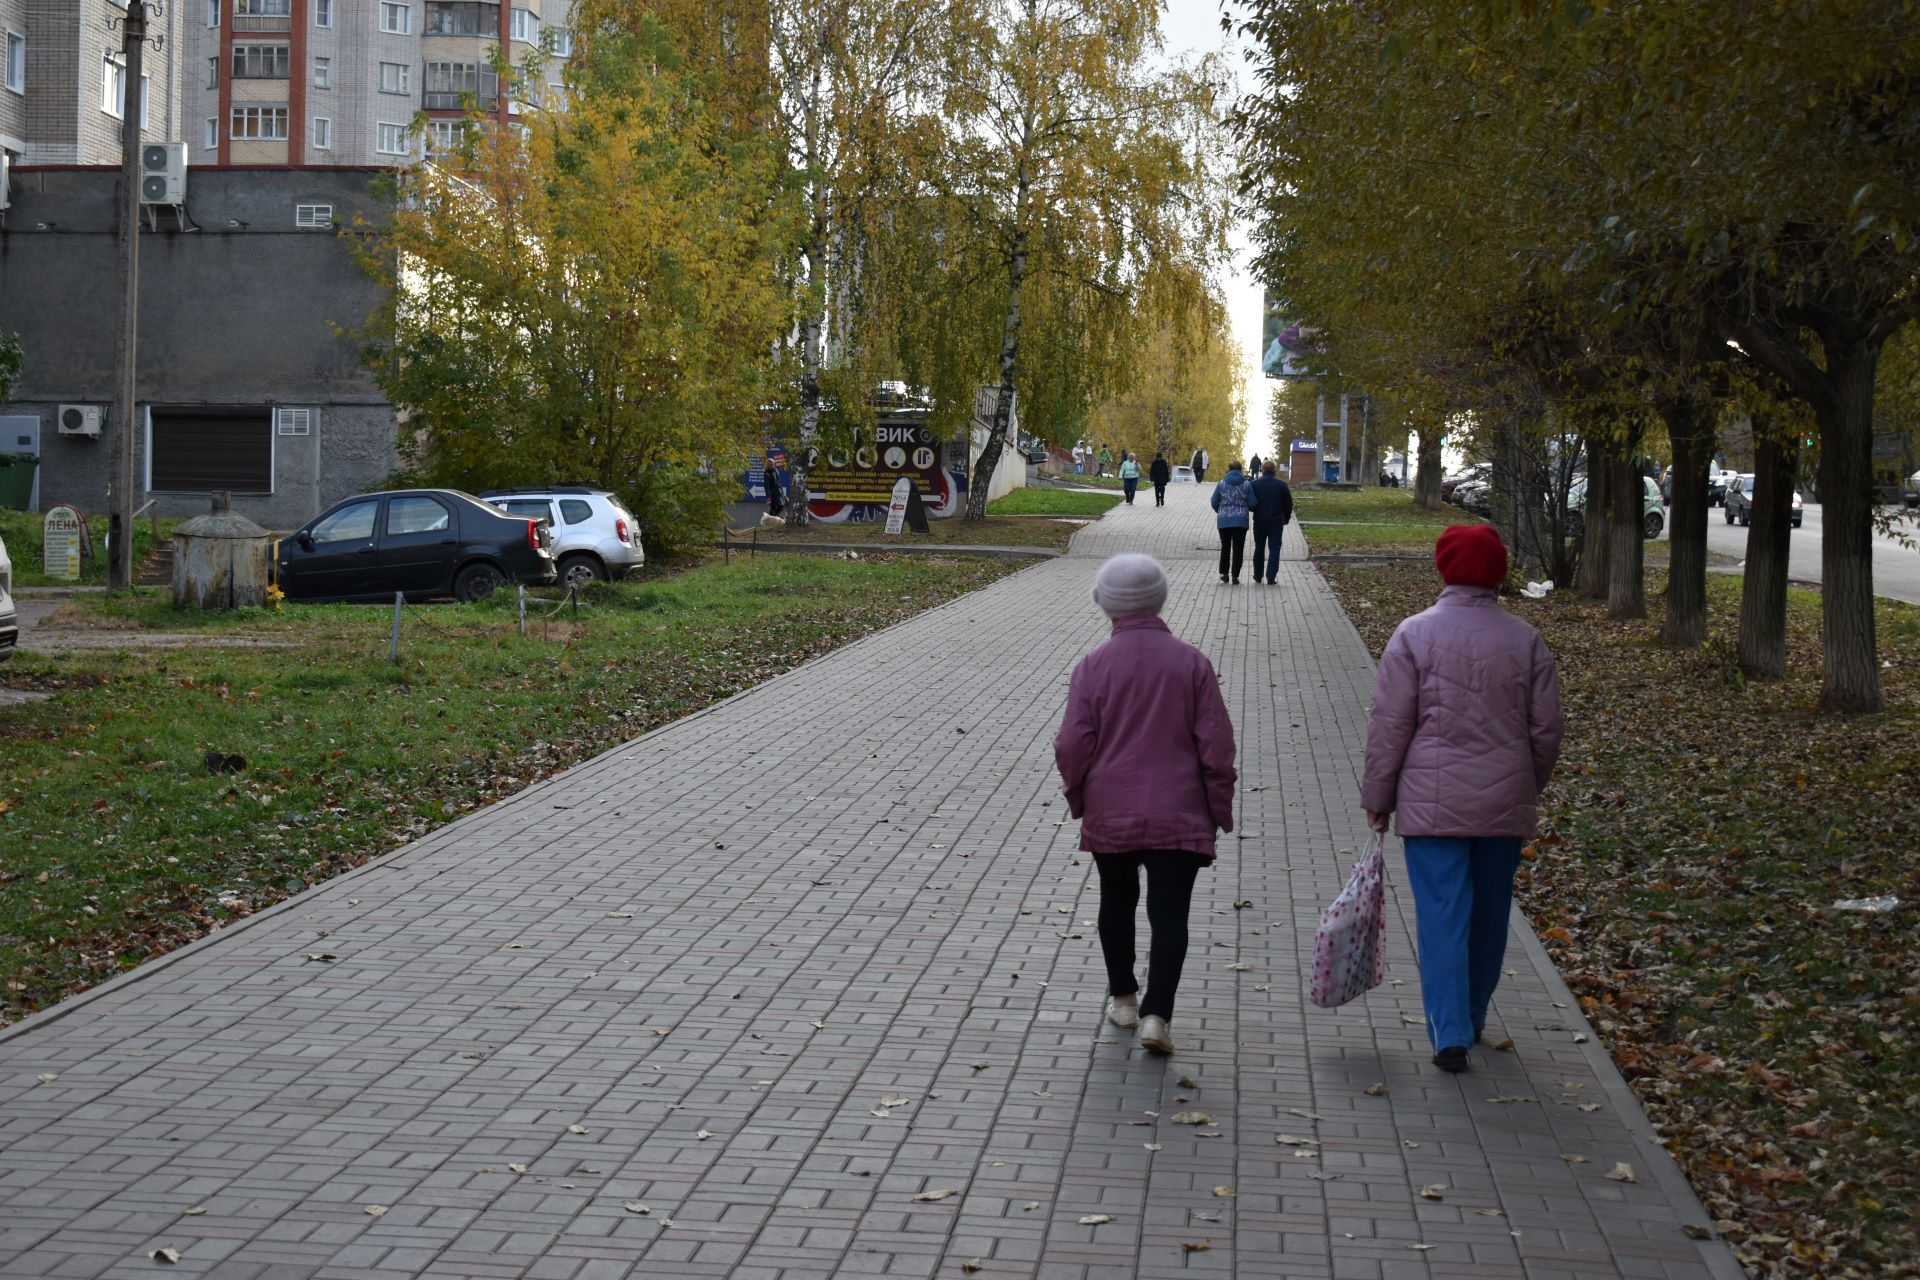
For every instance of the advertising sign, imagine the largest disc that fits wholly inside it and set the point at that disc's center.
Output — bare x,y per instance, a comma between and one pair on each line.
60,543
897,509
869,470
1285,344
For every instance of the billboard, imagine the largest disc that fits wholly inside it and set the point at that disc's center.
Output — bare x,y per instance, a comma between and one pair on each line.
1284,344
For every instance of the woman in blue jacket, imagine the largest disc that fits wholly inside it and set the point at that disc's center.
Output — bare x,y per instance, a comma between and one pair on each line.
1235,501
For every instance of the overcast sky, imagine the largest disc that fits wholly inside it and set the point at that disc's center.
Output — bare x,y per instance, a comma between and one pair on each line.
1193,26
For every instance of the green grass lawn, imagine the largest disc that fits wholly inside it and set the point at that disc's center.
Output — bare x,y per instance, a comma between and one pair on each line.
1370,521
994,531
1694,840
21,532
117,843
1053,502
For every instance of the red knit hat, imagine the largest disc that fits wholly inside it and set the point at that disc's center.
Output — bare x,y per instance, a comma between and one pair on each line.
1471,555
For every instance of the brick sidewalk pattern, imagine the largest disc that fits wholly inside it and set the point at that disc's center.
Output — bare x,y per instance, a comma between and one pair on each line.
727,999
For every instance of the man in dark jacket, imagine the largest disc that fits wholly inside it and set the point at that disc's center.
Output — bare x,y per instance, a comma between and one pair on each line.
1159,473
1269,521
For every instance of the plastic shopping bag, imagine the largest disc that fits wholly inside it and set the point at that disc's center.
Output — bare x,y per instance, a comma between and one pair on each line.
1349,948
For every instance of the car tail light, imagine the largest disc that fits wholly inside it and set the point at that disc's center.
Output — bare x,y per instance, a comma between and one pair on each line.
620,531
533,535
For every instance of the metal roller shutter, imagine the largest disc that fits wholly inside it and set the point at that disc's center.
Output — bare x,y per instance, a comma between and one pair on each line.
204,448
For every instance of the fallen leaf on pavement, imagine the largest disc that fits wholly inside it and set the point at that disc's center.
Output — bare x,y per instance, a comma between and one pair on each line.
941,1194
1095,1219
1623,1172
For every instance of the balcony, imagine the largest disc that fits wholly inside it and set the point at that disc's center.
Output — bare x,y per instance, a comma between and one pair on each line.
262,22
458,101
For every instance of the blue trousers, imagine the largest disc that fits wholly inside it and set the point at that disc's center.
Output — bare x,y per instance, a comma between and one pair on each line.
1130,484
1462,892
1266,549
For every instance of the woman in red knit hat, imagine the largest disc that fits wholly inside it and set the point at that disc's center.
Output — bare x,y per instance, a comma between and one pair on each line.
1465,731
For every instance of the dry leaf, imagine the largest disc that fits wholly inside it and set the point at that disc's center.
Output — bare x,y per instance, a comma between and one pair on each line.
666,1222
1032,1205
703,1135
1151,1146
1243,904
1573,1159
1695,1231
1193,1117
1623,1172
1196,1246
970,1265
165,1255
1187,1082
1237,968
1589,1106
1422,1248
196,1210
888,1102
619,915
1225,1193
576,1128
1317,1176
1488,1213
517,1168
1579,1037
1505,1046
376,1211
941,1194
324,957
1289,1140
635,1206
882,1112
1514,1097
1433,1191
1376,1090
47,1077
1411,1146
1095,1219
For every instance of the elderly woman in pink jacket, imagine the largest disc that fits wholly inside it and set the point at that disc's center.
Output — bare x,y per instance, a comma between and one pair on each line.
1146,755
1465,731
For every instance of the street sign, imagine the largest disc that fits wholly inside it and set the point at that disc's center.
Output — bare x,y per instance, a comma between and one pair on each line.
60,536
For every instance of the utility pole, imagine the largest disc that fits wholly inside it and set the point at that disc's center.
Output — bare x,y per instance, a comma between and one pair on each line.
133,32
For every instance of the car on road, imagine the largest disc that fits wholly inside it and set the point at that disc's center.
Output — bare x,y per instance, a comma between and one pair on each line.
1182,475
1653,516
1912,494
419,543
1475,496
9,620
1739,502
1479,471
595,538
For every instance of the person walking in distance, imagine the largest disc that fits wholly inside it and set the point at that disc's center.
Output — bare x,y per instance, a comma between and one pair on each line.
1464,734
1235,501
1160,473
1145,753
1270,515
1129,474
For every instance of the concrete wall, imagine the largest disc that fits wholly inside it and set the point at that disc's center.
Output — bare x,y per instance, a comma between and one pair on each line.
236,308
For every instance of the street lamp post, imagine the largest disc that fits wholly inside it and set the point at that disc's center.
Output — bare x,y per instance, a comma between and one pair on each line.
133,31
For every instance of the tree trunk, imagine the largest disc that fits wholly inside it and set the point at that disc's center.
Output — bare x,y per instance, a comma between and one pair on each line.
1690,429
1595,546
981,474
1762,645
1426,484
797,504
1505,478
1850,660
1626,553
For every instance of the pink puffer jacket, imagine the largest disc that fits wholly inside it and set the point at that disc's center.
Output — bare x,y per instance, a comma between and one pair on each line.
1466,722
1146,749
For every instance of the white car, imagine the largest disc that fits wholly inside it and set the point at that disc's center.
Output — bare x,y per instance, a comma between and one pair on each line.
595,538
9,624
1913,490
1182,475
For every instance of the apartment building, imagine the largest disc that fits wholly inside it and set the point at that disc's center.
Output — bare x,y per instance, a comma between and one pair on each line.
344,82
63,81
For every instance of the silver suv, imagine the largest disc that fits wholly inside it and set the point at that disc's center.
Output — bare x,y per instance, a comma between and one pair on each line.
9,628
594,538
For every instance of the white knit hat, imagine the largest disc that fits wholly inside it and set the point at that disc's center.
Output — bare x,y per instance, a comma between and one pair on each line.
1130,584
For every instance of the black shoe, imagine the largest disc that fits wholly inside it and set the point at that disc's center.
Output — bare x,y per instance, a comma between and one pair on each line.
1236,582
1223,579
1453,1058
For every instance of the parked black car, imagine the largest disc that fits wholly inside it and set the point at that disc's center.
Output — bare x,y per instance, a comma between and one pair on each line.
419,542
1739,501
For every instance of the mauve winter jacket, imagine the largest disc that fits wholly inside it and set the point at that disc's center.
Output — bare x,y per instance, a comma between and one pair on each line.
1466,721
1146,749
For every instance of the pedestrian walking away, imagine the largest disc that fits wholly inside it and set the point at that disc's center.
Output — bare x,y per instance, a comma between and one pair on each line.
1160,473
1234,500
1253,465
1272,509
1129,474
1464,734
1145,753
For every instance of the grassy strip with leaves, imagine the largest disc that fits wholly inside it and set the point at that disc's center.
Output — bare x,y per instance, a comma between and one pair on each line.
994,531
123,837
1696,838
1053,502
22,532
1370,521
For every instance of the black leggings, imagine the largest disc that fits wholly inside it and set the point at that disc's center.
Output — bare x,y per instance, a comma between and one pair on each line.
1170,876
1234,542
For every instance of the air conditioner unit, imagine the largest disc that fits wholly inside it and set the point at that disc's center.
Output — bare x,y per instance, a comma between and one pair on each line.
81,419
163,173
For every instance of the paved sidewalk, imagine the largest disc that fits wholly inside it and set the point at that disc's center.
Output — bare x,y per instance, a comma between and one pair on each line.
647,1019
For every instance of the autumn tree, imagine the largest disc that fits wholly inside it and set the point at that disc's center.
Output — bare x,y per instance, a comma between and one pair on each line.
572,299
1187,391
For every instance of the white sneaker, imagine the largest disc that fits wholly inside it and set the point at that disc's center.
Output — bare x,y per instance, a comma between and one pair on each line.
1123,1015
1155,1036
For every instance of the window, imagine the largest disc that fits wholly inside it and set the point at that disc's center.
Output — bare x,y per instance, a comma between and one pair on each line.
213,133
322,13
562,41
307,217
526,26
205,448
348,524
322,134
213,72
417,515
450,84
462,18
297,422
213,13
262,61
574,511
323,73
113,90
258,124
16,62
531,508
262,15
390,139
444,136
395,77
396,18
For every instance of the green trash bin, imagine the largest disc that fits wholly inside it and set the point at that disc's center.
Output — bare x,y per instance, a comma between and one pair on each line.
16,480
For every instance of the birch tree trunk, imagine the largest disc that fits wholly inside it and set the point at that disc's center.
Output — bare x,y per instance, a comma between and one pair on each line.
1761,648
980,475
